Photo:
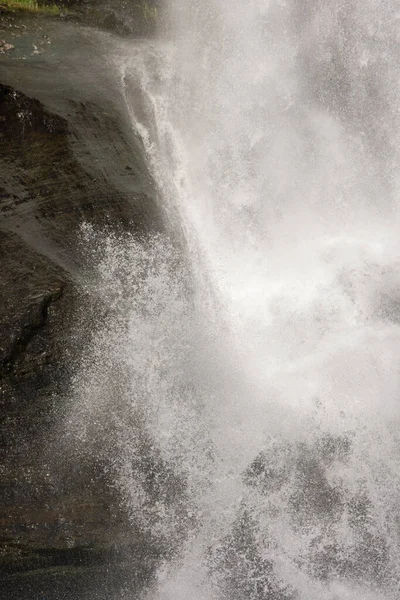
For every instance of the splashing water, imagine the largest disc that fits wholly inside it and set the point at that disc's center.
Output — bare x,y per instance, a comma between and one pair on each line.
256,426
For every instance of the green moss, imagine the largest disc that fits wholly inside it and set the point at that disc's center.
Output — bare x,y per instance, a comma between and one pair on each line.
32,6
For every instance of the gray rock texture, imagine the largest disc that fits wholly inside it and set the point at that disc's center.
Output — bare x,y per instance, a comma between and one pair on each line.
68,156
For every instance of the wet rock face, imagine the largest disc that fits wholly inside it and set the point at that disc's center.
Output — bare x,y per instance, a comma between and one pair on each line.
126,17
65,161
46,193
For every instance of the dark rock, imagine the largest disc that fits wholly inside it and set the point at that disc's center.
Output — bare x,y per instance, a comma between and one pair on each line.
69,157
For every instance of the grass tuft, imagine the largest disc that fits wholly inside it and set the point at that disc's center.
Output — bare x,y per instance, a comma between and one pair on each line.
31,6
149,12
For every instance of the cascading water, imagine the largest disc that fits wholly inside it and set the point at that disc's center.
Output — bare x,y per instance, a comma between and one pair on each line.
250,390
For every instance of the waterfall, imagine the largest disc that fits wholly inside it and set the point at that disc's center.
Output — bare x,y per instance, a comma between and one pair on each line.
249,390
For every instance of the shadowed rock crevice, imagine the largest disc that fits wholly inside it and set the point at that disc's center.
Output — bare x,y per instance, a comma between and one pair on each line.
36,320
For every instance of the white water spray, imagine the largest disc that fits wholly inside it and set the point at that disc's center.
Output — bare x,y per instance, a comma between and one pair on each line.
265,381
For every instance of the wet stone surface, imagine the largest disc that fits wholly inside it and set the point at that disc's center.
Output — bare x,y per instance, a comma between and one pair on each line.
66,159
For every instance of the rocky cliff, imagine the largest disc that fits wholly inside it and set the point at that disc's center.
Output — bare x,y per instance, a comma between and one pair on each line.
68,156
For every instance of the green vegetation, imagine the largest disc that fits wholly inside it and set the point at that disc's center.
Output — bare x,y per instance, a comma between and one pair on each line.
31,6
149,12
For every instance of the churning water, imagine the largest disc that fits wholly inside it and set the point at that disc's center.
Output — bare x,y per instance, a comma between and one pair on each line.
248,390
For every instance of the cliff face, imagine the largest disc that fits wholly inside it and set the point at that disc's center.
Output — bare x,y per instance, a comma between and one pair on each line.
68,156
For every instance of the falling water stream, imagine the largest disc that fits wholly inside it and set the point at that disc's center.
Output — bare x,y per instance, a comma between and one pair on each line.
251,385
